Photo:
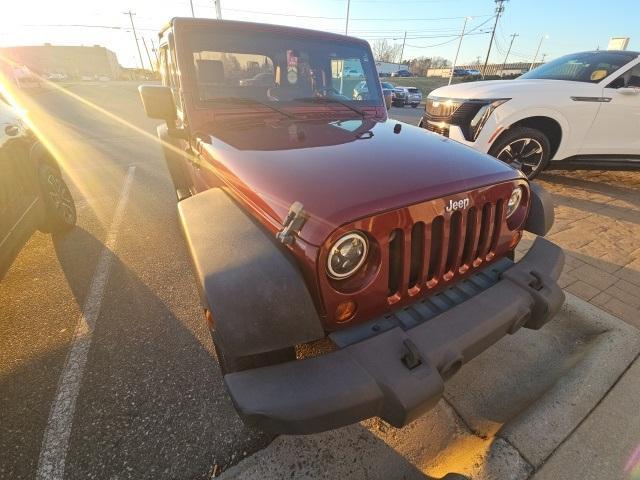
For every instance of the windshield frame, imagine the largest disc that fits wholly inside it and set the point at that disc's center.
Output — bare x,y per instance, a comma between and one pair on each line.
535,74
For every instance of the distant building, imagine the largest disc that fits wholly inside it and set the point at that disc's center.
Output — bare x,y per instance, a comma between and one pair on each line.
73,61
387,68
618,43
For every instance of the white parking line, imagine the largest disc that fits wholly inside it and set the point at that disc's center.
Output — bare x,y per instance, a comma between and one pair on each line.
56,435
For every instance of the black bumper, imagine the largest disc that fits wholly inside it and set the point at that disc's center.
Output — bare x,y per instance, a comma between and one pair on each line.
399,374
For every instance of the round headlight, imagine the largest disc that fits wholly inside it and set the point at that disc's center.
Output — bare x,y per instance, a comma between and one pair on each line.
347,255
514,201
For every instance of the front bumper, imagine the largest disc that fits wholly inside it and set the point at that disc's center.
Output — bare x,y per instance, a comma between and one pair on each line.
398,373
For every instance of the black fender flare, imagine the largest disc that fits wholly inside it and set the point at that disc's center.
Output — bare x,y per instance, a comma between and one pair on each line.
541,213
255,292
174,160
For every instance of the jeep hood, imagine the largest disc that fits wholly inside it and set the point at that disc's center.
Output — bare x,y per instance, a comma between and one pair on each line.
342,171
506,88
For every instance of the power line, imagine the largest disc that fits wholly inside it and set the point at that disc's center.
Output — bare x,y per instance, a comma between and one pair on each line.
351,19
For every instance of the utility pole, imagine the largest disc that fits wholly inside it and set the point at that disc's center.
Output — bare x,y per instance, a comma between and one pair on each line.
155,52
543,56
346,28
455,60
404,40
218,11
535,57
499,10
135,37
193,14
513,37
153,70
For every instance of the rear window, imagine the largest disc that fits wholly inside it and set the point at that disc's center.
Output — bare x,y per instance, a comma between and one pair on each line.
413,90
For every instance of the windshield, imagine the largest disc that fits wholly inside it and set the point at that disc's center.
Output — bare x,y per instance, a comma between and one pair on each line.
590,67
268,67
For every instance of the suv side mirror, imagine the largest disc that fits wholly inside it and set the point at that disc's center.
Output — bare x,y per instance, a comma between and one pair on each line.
158,102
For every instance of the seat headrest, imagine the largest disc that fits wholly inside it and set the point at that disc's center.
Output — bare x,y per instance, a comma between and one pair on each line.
210,71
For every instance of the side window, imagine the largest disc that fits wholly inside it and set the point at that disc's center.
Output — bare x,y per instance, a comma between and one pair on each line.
630,78
164,67
172,77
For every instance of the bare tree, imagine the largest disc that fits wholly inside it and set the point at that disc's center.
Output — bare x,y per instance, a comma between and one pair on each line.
383,51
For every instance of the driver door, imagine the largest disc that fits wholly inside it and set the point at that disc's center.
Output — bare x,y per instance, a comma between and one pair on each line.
616,128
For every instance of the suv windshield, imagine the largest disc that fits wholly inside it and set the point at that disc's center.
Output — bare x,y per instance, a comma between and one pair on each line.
267,67
590,67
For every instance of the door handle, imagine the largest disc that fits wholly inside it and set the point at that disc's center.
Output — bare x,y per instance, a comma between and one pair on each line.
12,130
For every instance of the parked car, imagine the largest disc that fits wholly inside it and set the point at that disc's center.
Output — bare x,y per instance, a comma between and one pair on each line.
411,96
399,97
473,72
580,110
360,92
316,224
265,79
56,77
459,72
352,73
401,73
33,195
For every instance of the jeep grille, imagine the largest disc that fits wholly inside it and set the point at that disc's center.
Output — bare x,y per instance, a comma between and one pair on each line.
439,251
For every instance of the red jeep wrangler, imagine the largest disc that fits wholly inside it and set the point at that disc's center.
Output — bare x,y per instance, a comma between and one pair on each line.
311,218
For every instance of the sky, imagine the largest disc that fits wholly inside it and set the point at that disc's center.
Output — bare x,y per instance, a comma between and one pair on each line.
432,26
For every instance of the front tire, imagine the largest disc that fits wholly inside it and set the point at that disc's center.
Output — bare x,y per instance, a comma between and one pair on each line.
60,209
525,149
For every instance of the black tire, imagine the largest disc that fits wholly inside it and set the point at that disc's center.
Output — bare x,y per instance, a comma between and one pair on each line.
59,208
414,105
229,364
525,149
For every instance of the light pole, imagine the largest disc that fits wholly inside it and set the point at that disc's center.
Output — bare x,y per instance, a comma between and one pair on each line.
455,60
535,57
218,11
346,28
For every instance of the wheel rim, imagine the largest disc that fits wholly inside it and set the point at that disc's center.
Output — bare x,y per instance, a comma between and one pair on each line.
524,154
60,198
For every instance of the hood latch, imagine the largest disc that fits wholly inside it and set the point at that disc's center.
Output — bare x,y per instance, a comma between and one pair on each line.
292,223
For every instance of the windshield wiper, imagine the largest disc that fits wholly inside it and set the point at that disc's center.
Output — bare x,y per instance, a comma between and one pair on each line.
332,100
252,101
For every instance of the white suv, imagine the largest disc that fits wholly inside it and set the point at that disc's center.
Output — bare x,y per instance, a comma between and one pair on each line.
582,109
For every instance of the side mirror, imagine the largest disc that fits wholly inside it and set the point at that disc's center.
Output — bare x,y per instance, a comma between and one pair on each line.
629,90
158,102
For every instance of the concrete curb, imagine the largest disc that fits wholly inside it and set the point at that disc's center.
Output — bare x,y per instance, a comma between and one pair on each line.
566,375
503,414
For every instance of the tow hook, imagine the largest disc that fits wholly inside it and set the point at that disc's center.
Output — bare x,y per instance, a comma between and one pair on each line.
411,357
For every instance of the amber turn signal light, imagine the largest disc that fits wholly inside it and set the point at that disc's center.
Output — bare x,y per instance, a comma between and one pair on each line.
345,311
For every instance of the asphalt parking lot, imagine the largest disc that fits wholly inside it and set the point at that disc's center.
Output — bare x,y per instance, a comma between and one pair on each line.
150,401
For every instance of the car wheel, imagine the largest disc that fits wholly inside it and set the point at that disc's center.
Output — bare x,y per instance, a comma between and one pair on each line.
525,149
414,105
60,209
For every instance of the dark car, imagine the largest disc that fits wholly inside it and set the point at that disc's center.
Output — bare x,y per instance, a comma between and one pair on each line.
401,73
347,264
360,92
33,195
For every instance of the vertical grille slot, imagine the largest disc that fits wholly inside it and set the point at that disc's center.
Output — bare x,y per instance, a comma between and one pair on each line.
497,224
417,253
437,234
396,241
470,237
485,225
455,230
